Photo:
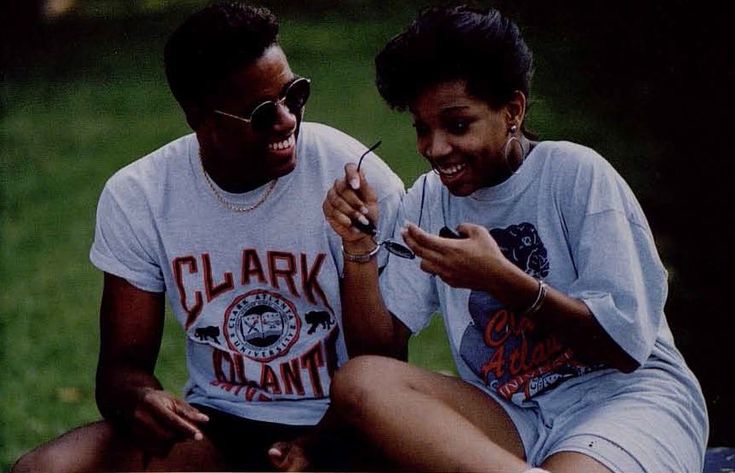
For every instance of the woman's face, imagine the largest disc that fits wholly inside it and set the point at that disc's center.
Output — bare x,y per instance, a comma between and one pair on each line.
461,136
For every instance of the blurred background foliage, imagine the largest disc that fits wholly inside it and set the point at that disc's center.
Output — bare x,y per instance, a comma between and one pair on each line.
647,84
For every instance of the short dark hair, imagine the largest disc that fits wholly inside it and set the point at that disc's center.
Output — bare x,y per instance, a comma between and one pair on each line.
458,42
212,44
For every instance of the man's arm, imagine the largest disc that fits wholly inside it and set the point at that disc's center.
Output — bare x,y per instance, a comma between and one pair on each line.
128,394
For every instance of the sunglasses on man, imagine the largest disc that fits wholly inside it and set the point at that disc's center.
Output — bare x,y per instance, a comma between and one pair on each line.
265,115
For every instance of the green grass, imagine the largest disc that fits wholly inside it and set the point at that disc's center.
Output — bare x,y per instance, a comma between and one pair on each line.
71,121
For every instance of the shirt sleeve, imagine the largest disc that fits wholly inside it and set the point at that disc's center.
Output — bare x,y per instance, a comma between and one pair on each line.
620,276
119,246
409,293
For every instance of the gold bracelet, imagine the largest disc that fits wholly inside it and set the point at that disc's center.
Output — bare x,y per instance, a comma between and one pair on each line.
363,258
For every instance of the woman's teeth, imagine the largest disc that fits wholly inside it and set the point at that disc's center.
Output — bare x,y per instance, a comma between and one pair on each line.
451,169
280,145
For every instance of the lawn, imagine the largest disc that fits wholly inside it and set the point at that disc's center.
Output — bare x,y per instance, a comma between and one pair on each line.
94,101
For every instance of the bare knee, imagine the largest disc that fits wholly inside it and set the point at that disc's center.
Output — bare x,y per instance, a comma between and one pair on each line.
360,374
23,465
45,458
361,381
81,449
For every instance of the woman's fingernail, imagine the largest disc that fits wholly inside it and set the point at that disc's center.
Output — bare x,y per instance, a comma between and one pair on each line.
363,220
355,183
364,210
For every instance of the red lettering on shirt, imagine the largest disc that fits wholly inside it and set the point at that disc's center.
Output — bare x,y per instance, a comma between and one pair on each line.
286,273
512,352
309,281
209,285
291,375
287,378
251,266
192,312
312,359
282,271
268,379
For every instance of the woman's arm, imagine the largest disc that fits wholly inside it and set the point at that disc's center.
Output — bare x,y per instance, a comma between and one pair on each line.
476,262
369,327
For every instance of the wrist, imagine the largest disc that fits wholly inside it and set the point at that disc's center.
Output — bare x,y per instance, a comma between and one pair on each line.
518,290
361,246
538,300
362,257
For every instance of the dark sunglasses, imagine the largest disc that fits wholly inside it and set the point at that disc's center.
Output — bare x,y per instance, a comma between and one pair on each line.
265,115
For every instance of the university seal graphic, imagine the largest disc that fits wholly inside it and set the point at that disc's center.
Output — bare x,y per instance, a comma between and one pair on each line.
261,325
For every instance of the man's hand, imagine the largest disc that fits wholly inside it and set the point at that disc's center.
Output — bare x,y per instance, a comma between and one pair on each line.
160,420
289,456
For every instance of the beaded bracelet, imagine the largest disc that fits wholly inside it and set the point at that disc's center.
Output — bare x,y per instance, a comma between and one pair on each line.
540,296
363,258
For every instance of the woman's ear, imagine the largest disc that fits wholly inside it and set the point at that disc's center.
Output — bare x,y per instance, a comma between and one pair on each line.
515,109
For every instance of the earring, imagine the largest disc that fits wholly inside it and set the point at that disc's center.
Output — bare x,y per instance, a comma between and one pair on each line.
506,149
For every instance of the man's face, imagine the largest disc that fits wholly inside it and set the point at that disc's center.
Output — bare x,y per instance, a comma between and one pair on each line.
254,154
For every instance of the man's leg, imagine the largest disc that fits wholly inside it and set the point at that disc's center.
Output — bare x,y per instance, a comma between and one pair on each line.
425,421
99,447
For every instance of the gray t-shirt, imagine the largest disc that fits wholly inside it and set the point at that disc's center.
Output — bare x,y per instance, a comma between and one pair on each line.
257,292
568,218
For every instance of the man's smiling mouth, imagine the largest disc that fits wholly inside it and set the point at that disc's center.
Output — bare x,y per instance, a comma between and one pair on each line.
281,145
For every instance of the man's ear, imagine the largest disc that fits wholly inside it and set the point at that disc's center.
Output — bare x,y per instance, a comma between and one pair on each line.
196,115
515,109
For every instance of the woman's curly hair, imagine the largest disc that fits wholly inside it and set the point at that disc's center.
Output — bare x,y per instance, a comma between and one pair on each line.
480,46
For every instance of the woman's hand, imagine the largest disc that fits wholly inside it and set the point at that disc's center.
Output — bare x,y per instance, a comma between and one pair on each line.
352,199
471,262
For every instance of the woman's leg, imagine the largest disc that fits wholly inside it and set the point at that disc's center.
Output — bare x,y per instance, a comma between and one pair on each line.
425,421
573,462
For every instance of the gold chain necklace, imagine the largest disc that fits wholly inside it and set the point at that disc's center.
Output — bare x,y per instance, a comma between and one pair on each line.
227,203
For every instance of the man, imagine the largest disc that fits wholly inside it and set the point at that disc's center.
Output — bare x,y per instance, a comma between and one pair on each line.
227,223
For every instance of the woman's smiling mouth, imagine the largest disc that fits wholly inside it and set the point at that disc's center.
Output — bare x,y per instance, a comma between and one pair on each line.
450,170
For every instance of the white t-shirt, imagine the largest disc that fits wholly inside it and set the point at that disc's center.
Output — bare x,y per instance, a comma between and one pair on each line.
257,292
568,218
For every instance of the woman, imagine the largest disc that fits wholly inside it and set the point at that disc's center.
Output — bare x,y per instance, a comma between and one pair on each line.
551,290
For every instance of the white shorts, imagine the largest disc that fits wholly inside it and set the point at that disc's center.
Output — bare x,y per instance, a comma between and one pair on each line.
623,421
